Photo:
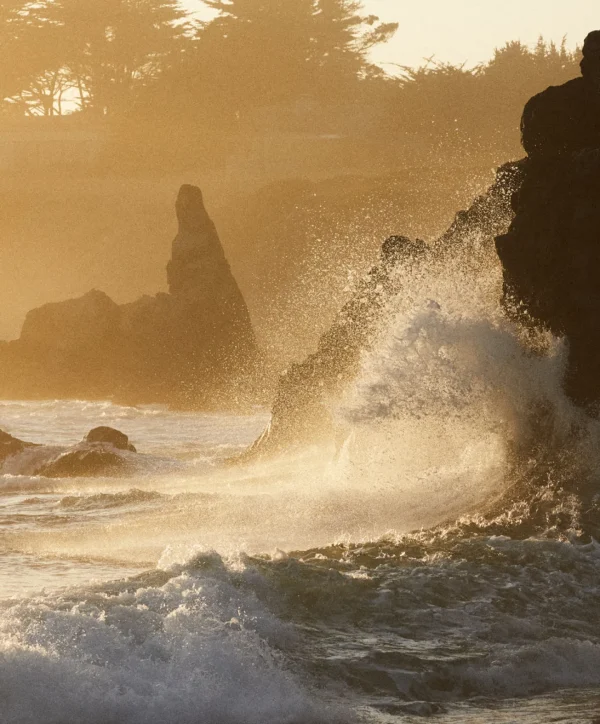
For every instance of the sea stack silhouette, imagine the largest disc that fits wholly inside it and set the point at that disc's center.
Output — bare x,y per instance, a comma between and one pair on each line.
193,347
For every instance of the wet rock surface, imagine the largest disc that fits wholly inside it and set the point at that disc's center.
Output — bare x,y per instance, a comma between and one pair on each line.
301,410
10,445
103,452
110,436
88,461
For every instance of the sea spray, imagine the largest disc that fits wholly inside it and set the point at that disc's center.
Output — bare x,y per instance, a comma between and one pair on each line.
452,394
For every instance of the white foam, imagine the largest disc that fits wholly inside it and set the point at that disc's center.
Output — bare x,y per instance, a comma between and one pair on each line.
195,649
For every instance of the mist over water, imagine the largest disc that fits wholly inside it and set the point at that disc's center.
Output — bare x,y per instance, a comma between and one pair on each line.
424,434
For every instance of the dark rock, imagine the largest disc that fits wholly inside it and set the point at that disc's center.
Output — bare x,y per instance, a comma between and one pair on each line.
87,461
551,265
10,445
574,108
565,119
551,253
491,213
110,436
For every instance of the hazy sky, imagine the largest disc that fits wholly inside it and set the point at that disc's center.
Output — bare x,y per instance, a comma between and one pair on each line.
469,30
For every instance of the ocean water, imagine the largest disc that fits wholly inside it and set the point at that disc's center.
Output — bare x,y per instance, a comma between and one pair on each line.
438,563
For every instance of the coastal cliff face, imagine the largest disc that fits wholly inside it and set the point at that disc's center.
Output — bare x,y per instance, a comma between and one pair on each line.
551,263
301,412
192,348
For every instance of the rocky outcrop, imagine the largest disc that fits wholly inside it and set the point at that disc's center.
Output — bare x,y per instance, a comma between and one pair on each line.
550,257
200,280
300,412
193,347
88,461
104,452
490,214
10,446
551,253
551,263
73,326
110,436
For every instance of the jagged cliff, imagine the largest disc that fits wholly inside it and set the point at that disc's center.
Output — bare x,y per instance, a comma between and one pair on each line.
301,409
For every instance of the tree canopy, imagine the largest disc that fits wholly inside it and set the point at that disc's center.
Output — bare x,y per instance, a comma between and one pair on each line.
98,54
102,56
134,60
458,111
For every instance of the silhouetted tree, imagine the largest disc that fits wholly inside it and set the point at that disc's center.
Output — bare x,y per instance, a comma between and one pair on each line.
298,62
22,56
343,39
112,48
262,52
435,106
11,23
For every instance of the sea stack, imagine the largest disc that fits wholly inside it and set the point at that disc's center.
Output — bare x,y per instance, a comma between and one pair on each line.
202,286
191,348
210,323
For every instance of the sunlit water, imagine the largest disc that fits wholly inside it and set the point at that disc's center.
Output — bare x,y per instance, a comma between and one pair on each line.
293,591
177,597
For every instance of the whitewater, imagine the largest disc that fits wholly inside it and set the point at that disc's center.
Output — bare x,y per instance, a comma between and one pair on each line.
439,560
